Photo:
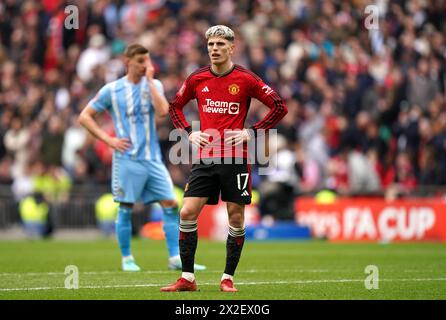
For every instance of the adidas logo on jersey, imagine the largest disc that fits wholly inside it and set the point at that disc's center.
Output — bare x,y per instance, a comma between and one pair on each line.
205,89
245,193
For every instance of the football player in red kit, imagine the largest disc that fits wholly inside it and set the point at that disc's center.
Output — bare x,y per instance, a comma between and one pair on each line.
223,91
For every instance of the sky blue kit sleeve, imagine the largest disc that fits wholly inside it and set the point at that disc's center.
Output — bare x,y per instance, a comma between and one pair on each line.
159,86
102,100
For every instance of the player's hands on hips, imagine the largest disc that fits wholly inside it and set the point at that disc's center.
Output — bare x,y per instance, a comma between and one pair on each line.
199,138
238,136
120,144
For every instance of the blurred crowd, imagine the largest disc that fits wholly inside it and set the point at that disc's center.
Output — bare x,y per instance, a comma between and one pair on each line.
367,109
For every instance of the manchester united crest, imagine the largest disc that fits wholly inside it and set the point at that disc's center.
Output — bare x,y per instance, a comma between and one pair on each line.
233,89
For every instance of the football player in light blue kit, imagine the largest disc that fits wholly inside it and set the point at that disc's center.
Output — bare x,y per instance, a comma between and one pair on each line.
138,173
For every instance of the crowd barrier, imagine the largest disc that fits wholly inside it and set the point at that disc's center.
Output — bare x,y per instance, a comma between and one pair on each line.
342,219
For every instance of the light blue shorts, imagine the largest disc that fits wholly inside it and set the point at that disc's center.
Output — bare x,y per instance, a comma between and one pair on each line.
140,181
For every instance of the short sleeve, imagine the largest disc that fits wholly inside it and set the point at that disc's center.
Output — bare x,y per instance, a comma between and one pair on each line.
102,100
159,86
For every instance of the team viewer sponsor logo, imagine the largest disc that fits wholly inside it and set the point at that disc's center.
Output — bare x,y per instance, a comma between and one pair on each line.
233,108
222,107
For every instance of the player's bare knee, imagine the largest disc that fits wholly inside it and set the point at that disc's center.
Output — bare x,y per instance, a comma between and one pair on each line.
188,214
236,220
236,223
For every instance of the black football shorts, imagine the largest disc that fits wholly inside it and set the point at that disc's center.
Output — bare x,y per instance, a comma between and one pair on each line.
232,180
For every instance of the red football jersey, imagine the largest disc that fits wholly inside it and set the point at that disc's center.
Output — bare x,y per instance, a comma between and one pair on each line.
223,103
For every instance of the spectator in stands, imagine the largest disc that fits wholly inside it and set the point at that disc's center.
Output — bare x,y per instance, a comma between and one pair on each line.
97,53
16,140
281,181
315,54
74,139
52,142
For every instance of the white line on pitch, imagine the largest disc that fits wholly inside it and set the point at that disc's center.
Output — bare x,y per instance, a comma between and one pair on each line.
6,274
213,284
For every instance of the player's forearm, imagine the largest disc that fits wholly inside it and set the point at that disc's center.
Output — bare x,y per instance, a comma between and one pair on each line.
277,112
88,122
178,118
160,103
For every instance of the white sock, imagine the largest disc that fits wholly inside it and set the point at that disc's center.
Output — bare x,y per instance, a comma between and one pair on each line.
175,258
127,258
189,276
227,276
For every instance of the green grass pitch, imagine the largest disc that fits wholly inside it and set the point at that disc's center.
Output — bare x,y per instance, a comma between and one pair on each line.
267,270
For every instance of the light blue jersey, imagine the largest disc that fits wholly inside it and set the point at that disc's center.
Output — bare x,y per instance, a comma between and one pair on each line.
133,115
139,173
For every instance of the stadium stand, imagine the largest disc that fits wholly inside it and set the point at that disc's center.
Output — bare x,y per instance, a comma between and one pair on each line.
367,108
